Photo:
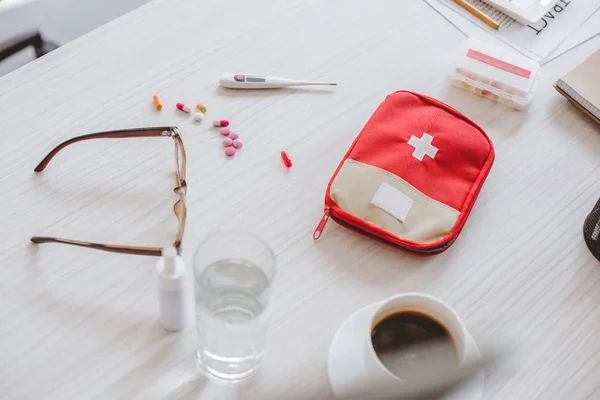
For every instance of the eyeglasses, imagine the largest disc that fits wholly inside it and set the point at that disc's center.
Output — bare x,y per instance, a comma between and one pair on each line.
180,207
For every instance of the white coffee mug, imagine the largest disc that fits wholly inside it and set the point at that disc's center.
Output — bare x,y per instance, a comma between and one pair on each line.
420,302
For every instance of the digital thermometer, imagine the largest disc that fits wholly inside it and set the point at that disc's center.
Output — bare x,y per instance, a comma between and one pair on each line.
245,81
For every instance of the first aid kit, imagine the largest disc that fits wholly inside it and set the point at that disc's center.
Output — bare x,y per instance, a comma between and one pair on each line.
412,175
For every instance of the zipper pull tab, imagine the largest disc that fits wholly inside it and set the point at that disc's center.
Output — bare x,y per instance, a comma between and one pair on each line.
319,230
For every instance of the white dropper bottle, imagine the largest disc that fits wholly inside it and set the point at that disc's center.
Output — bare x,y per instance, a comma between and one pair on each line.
170,270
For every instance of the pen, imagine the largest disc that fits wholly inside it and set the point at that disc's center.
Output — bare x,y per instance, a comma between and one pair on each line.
480,15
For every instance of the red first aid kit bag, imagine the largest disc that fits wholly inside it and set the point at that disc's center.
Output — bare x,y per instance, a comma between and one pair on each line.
411,176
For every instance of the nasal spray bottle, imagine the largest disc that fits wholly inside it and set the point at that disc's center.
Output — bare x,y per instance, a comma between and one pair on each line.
170,270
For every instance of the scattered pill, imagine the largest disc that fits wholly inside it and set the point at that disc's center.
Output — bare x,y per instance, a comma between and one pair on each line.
237,143
225,131
201,108
222,122
199,116
227,142
229,151
233,135
286,159
183,107
157,102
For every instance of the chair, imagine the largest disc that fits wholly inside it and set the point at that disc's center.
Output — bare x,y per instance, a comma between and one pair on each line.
21,42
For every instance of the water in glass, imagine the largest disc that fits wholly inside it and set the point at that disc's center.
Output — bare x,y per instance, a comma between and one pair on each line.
231,298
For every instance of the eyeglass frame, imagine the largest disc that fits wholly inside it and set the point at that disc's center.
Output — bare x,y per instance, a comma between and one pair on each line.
180,207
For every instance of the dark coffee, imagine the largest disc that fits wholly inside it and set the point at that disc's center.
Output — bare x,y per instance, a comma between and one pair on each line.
401,341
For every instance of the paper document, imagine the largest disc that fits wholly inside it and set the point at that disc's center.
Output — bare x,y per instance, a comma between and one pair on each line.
589,30
537,41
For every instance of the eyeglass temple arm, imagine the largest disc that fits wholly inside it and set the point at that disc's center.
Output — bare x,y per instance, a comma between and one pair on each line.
145,251
132,133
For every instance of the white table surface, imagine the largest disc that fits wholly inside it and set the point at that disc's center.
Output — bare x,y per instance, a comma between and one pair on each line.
77,323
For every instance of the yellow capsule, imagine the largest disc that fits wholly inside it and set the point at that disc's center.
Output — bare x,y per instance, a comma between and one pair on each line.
201,108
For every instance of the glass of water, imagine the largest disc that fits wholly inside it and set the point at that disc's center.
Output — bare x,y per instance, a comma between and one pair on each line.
233,272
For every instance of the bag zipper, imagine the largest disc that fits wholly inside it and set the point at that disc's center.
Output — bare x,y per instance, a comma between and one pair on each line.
327,214
434,250
317,233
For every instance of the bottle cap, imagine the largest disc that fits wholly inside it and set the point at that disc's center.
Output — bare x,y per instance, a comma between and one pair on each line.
169,255
170,269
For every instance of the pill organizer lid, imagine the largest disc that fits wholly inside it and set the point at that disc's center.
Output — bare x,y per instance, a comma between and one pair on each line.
499,64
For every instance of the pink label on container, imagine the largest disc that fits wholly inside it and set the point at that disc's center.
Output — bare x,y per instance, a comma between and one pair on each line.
494,62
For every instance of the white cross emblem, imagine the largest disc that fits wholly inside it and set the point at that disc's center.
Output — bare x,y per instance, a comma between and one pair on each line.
423,146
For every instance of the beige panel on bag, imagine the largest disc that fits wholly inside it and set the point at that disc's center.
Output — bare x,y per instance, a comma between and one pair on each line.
355,186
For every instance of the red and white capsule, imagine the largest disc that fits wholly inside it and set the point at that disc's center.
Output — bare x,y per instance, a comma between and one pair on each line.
183,107
221,122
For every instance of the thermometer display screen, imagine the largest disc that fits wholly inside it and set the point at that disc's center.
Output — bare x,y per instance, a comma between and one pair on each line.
249,78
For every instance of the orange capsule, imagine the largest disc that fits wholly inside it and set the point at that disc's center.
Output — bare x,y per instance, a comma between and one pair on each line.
157,103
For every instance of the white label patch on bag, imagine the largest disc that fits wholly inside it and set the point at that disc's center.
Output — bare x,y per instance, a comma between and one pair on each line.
392,201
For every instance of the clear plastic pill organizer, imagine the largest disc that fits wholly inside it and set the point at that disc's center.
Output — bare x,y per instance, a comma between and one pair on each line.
496,73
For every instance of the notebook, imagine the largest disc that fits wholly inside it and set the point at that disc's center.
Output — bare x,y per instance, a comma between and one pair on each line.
582,86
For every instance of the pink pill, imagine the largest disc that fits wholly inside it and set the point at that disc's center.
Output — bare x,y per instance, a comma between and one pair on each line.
225,131
233,135
227,142
229,151
237,143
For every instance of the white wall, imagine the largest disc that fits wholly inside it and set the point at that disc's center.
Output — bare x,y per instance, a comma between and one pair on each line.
58,20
